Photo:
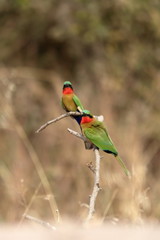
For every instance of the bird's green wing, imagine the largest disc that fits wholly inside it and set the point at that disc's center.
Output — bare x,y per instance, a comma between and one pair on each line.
77,102
99,136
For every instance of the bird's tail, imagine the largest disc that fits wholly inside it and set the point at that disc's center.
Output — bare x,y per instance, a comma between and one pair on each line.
127,172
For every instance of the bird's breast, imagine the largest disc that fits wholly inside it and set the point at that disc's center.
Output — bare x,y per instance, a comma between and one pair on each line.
69,103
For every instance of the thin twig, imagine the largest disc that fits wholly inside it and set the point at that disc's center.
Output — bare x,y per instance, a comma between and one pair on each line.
87,143
100,118
39,221
96,187
79,135
57,119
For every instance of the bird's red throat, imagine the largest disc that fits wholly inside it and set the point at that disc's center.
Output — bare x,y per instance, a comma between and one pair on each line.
67,90
86,119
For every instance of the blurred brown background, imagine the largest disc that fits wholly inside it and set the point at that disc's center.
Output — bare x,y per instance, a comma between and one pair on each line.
110,51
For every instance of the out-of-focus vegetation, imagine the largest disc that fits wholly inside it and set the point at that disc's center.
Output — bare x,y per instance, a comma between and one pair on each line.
110,51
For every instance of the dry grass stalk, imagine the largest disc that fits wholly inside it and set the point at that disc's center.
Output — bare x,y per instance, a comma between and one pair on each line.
39,221
9,113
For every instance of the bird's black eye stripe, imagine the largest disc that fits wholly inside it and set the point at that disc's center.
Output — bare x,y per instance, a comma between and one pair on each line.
67,85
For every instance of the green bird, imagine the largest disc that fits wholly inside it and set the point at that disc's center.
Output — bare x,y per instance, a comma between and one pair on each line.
95,131
70,102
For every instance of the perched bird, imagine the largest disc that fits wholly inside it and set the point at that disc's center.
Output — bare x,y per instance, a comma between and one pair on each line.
70,102
95,131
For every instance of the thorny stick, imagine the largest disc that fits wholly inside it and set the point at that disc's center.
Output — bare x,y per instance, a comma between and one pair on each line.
96,187
57,119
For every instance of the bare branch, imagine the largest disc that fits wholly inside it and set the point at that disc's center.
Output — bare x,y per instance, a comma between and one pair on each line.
96,171
39,221
57,119
96,187
99,118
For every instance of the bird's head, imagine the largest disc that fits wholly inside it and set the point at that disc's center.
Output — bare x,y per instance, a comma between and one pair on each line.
67,88
87,117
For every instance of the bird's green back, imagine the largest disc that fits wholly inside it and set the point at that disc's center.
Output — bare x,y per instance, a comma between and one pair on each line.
98,135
